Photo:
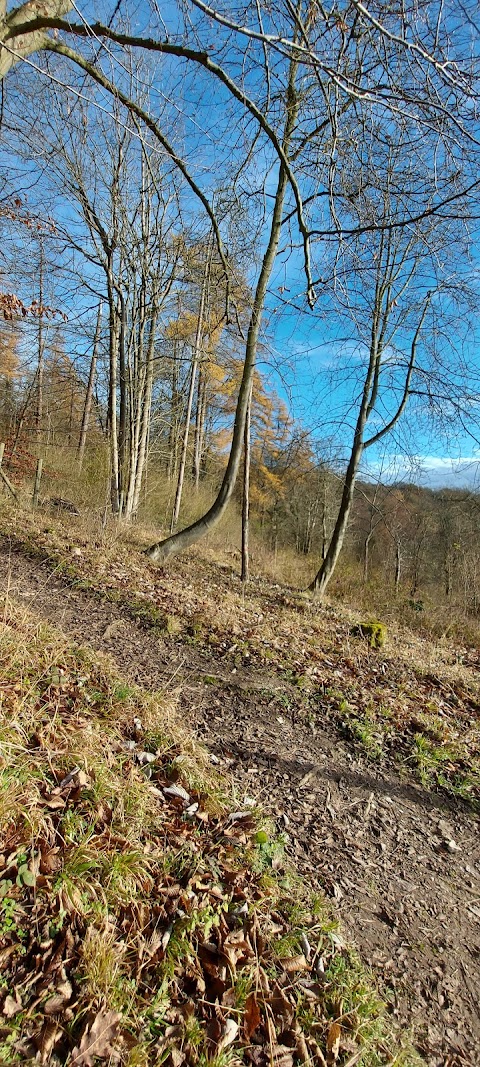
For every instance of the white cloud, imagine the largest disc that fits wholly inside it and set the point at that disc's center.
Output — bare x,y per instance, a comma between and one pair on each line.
432,471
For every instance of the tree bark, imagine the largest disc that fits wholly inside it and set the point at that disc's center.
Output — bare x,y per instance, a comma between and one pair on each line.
123,408
246,495
112,399
398,566
144,426
195,361
89,394
366,556
38,478
199,427
41,352
27,43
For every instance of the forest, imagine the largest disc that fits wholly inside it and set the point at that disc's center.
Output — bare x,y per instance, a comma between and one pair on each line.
240,311
239,554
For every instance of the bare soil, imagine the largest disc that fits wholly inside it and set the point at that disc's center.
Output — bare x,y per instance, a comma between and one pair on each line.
400,862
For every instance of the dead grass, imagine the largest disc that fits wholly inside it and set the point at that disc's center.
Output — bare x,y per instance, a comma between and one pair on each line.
141,922
199,601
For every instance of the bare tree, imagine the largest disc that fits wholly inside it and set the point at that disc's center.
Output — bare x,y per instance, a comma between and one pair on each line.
123,232
387,286
184,538
369,68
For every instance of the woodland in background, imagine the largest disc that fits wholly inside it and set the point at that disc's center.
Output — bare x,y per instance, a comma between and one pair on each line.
405,543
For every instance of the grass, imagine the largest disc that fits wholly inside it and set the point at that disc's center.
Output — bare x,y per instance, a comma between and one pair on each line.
130,924
389,695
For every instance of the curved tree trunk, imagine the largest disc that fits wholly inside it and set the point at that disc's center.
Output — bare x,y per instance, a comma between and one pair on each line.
321,580
367,406
246,496
191,534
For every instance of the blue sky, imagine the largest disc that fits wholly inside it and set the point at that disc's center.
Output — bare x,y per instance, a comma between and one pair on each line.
315,374
306,348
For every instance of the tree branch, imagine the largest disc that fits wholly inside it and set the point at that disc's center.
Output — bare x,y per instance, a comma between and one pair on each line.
195,56
406,392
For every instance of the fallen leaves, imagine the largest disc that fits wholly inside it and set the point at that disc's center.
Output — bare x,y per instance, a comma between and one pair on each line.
96,1042
333,1042
252,1017
11,1006
132,861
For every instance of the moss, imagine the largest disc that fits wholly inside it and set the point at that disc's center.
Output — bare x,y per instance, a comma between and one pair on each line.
173,626
375,632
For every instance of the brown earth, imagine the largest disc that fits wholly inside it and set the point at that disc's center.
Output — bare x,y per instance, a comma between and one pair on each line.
401,863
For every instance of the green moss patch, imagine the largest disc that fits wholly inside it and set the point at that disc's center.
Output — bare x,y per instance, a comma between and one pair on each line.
374,632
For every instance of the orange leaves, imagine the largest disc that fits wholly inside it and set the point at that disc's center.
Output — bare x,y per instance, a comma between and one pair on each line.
333,1042
12,307
252,1017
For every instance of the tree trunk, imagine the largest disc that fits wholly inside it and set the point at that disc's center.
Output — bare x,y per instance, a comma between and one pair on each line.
246,494
3,476
144,427
184,538
447,570
366,553
379,323
324,521
112,400
196,357
41,352
88,396
38,478
398,567
321,580
27,43
123,406
172,459
199,427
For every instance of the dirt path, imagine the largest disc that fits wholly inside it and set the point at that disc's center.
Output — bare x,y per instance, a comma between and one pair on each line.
402,865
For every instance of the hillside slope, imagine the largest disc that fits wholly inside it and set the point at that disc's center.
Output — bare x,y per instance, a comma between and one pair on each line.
360,754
